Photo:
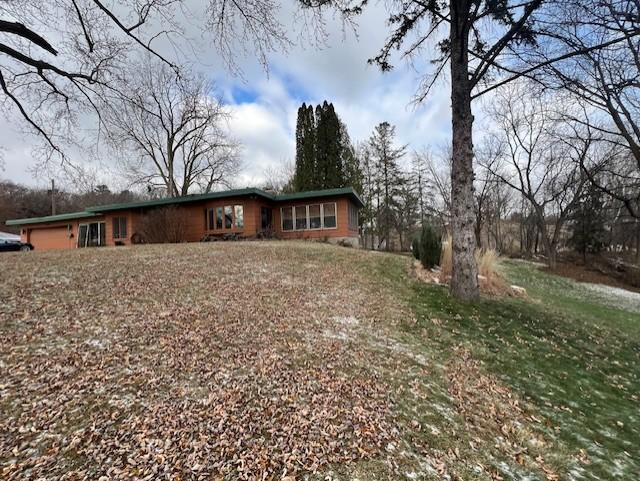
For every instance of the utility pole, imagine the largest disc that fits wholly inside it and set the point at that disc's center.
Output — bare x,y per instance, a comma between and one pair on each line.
53,197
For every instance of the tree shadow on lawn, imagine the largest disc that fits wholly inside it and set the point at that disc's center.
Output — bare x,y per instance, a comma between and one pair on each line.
581,376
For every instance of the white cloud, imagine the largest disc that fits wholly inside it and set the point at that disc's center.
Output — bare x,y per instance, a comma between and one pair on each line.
264,117
266,138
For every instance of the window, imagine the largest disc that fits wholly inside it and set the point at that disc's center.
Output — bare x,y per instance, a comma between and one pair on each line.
211,219
329,216
92,235
287,218
228,217
301,217
315,221
353,217
218,217
119,227
239,211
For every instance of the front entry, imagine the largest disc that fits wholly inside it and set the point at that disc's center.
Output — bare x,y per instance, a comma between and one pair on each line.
91,235
266,219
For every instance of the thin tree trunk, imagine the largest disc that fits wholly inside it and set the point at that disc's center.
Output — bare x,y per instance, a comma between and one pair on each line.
464,279
550,248
637,240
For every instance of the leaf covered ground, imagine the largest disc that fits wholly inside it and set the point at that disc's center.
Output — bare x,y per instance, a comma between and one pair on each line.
291,361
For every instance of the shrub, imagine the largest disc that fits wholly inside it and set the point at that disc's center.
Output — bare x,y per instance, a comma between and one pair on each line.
163,225
430,247
415,247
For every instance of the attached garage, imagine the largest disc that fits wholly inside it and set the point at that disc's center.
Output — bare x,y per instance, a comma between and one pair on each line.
56,231
51,238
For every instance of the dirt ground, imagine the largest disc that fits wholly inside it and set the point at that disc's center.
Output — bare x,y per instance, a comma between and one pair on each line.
596,271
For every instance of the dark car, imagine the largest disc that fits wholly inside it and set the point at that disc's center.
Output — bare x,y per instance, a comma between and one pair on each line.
7,245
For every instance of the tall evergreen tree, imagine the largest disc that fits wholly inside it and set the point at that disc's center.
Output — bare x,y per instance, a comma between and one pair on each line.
305,167
386,156
588,227
325,157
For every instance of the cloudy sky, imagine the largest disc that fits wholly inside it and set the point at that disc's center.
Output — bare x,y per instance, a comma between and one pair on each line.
264,104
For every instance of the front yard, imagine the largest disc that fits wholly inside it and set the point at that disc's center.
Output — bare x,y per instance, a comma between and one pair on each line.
295,360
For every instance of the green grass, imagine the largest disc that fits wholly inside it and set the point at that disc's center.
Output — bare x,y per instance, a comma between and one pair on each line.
575,361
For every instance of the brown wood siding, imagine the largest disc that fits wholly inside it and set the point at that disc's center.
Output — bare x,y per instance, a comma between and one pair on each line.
55,236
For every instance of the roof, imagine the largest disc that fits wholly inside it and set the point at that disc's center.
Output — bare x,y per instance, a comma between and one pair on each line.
50,218
349,191
182,200
97,210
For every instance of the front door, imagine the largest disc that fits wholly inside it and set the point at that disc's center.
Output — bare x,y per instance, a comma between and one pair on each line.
266,219
91,235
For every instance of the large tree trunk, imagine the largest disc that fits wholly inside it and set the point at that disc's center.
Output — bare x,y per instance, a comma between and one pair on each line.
464,279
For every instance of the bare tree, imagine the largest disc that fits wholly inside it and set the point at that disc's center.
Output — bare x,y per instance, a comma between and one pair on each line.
59,58
488,156
537,162
280,177
175,130
605,83
438,182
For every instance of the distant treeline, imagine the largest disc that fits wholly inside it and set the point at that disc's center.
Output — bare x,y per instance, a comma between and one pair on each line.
19,201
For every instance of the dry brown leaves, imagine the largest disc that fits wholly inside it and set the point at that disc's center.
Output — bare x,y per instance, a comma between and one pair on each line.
185,362
491,411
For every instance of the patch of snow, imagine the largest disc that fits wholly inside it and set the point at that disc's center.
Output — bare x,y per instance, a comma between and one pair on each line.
98,343
347,321
615,296
340,335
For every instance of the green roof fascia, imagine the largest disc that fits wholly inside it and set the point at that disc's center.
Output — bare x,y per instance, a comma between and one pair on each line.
322,193
50,218
97,210
182,200
230,193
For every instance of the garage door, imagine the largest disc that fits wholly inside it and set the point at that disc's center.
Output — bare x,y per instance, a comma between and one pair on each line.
51,238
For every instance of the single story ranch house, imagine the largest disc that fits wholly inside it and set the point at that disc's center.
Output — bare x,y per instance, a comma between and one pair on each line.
242,213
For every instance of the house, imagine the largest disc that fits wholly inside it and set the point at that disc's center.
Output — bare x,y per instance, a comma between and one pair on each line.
243,213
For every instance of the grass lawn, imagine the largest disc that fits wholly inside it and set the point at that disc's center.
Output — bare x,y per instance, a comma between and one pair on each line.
296,360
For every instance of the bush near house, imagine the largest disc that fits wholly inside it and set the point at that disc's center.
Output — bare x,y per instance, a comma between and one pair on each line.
430,247
163,225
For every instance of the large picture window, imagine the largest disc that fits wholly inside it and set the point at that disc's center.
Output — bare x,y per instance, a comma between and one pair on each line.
228,217
287,218
218,217
119,227
211,219
329,216
239,211
315,220
309,217
301,217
